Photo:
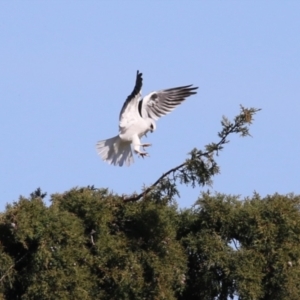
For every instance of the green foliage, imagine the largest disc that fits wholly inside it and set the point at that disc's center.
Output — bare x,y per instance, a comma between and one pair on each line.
201,166
90,244
249,248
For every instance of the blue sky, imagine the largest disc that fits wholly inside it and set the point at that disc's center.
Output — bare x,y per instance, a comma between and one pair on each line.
66,68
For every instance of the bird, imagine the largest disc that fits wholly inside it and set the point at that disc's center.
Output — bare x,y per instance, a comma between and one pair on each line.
137,117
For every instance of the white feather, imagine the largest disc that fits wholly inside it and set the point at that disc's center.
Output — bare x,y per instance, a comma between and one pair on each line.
115,151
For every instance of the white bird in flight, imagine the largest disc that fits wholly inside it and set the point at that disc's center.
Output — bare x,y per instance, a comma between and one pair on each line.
137,117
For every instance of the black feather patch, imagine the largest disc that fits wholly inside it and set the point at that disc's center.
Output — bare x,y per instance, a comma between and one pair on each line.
136,90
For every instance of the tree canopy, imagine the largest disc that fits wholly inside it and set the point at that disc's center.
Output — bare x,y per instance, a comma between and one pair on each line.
90,244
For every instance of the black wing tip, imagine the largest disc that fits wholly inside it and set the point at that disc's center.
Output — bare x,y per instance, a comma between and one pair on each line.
190,88
138,85
139,76
136,90
187,88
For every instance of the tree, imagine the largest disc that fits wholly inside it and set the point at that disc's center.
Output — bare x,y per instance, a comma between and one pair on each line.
249,248
92,244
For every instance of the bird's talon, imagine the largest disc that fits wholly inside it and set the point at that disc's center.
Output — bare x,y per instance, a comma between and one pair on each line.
141,154
145,145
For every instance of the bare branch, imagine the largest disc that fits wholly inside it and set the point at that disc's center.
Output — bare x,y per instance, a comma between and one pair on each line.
235,244
147,190
5,274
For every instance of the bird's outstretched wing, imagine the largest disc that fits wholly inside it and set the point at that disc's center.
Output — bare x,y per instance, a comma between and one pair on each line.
129,111
160,103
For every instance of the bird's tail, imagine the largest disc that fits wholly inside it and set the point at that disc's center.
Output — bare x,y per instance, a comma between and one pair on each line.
115,151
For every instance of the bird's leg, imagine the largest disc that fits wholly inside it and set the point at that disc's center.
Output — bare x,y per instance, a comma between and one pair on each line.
136,146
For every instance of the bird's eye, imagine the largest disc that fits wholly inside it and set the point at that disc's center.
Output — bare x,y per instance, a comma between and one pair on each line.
151,126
